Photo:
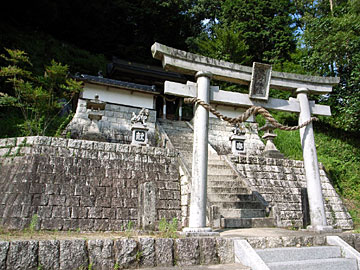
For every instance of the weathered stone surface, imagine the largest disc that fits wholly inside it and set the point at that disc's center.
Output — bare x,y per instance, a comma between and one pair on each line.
126,255
319,240
147,251
147,205
4,247
349,238
225,250
49,254
208,253
288,241
257,242
164,248
73,254
274,242
101,254
187,251
280,181
114,126
67,192
357,242
23,255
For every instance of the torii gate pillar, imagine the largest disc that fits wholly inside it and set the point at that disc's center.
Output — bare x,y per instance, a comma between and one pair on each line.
313,183
197,217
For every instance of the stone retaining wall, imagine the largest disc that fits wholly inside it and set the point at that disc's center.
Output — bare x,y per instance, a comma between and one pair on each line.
115,125
144,252
280,181
114,254
74,184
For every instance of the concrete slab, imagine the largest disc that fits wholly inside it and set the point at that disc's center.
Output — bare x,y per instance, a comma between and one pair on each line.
233,266
269,232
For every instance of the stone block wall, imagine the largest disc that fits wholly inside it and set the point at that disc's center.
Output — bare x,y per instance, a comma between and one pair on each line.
117,253
115,125
280,181
220,132
77,184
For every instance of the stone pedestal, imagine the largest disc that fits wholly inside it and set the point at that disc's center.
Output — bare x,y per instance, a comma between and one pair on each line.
316,203
139,134
93,132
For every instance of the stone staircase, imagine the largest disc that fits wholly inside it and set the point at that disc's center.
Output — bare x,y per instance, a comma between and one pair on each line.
306,258
236,206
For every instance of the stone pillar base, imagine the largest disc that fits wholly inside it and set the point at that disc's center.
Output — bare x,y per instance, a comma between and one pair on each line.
194,232
322,229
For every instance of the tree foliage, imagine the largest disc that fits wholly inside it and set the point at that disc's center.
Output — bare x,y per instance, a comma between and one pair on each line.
332,40
39,98
263,30
122,28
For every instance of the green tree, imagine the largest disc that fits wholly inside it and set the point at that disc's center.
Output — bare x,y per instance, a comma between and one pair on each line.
223,43
332,40
122,28
39,98
265,28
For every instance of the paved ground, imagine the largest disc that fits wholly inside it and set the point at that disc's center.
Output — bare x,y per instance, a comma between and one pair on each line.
233,266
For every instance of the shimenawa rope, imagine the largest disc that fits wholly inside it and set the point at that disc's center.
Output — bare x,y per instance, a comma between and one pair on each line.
253,110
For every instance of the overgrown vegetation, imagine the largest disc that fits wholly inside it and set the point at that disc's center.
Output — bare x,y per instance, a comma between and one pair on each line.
42,101
168,229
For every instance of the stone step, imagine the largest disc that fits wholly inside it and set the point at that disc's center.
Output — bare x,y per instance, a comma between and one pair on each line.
177,135
247,222
180,138
212,162
239,205
222,166
183,149
226,190
320,264
220,182
217,172
219,177
166,122
242,213
175,130
233,266
214,197
271,255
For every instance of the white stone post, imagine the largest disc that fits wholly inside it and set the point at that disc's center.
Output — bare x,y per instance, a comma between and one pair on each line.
316,204
180,108
197,217
164,108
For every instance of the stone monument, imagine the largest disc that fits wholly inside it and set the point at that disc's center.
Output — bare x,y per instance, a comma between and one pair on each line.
95,109
139,129
270,148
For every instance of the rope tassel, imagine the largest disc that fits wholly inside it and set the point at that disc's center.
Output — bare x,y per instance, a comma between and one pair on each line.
253,110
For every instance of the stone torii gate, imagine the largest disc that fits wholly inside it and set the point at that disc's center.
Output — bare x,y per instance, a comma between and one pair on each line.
260,78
